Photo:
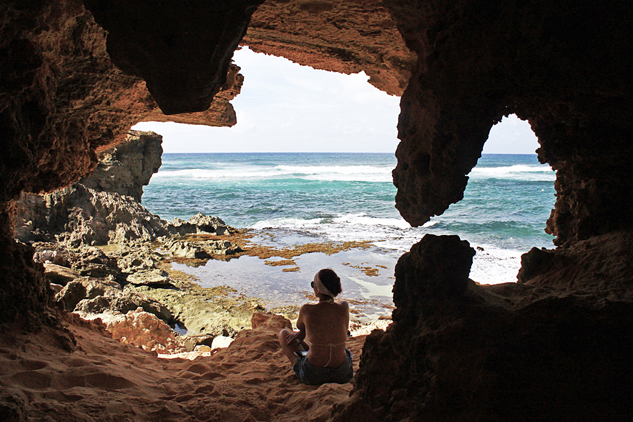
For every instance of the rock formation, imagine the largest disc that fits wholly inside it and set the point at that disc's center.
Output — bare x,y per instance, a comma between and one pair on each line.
555,346
344,36
129,166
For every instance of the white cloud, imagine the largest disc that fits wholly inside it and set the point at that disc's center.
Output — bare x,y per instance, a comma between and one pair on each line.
285,107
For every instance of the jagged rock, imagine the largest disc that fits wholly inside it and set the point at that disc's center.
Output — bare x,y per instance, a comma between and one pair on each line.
129,166
58,274
122,301
153,278
93,262
183,249
201,224
220,247
83,288
209,224
78,216
138,257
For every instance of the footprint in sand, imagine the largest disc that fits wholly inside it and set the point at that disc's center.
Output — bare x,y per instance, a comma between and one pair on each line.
33,365
32,379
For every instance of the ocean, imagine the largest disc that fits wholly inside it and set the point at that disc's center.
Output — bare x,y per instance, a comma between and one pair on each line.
295,198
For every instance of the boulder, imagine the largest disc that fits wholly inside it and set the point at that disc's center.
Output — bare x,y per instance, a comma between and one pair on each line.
201,224
93,262
153,278
123,301
58,274
184,249
144,330
83,288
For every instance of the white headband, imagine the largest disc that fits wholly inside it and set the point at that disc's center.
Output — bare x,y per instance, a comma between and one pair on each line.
320,287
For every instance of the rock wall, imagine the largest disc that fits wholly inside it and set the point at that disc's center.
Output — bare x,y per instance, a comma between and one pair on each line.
129,166
63,100
559,65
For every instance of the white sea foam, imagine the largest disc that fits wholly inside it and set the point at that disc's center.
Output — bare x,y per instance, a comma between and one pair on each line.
369,290
347,227
365,220
254,173
516,172
357,173
495,265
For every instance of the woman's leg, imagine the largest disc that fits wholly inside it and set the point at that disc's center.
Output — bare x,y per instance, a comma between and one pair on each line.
291,349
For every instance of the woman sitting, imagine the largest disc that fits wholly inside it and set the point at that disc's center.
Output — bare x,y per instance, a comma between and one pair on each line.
317,351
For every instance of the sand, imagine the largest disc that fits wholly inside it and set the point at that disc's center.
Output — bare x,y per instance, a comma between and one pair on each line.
48,377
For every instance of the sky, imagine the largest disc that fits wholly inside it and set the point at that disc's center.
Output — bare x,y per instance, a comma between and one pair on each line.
286,107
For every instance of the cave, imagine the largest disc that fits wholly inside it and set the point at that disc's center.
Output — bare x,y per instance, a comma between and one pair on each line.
76,75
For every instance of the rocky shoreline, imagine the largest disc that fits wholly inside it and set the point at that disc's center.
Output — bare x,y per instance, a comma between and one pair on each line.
108,258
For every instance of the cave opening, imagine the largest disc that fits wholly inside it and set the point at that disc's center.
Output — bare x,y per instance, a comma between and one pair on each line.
271,187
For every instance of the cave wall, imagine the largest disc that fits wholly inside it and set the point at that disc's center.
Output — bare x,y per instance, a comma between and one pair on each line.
563,66
63,99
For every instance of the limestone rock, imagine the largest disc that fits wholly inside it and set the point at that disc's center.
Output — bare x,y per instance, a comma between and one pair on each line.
93,262
79,216
122,301
201,224
144,330
136,257
154,278
126,168
82,288
183,249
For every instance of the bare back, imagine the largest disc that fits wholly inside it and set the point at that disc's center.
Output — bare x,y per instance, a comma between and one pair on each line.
326,326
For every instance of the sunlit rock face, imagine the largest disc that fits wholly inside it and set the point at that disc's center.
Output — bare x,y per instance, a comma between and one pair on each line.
345,36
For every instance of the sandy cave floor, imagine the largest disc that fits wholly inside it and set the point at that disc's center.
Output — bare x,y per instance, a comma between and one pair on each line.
101,379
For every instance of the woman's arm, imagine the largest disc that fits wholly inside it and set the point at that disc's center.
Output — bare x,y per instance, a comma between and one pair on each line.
301,326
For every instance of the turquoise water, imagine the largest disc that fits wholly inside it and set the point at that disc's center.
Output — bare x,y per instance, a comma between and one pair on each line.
313,197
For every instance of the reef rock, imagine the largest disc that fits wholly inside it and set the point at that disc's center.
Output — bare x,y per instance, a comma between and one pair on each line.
129,166
141,329
83,288
79,215
202,224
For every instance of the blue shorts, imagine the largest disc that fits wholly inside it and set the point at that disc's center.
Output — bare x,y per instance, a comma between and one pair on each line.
315,375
